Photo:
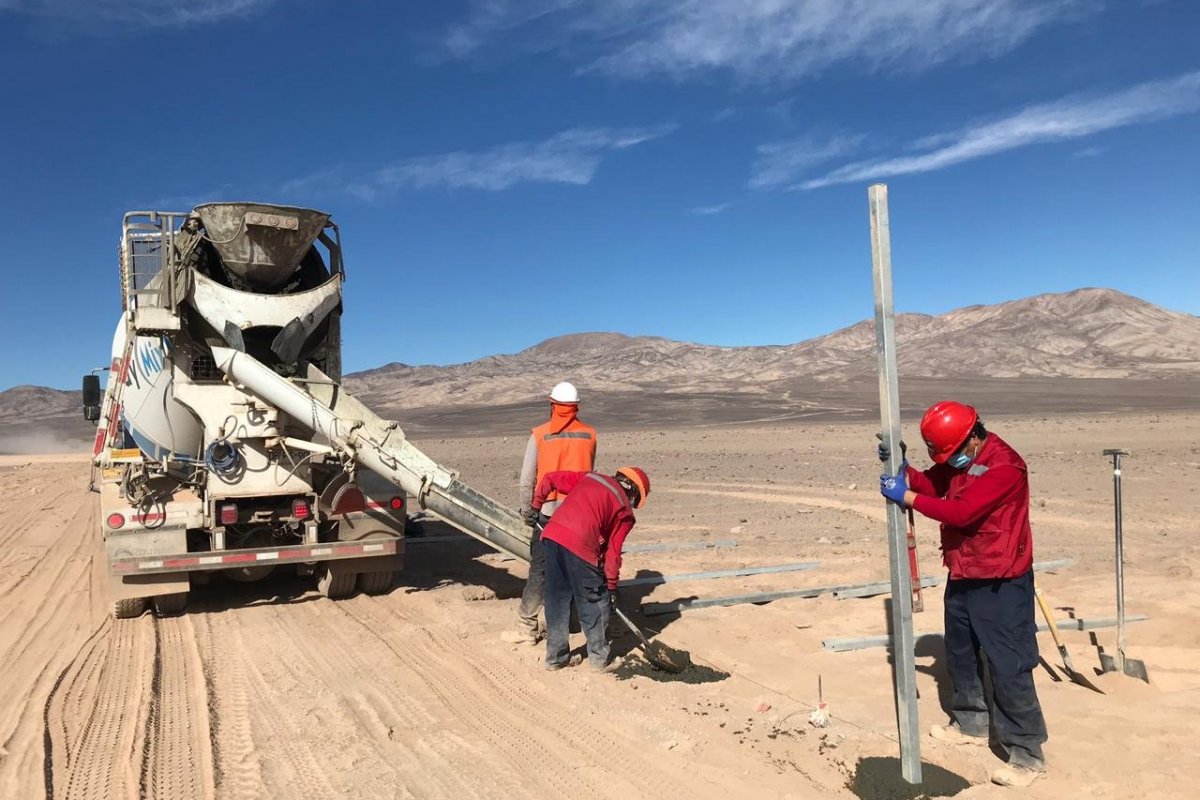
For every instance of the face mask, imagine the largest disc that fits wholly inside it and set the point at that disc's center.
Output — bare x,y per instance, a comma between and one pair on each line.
959,460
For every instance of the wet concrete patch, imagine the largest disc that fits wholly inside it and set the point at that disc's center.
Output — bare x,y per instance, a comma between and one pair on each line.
879,778
637,666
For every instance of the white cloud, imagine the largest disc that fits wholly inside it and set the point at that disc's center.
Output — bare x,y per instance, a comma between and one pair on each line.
1088,152
1069,118
708,211
135,13
780,163
758,40
570,157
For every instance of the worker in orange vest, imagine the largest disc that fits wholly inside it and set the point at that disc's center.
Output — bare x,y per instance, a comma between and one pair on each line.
564,443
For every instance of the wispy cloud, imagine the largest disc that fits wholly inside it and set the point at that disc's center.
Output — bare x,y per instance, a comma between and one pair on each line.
570,157
134,13
708,211
781,163
1069,118
757,40
1088,152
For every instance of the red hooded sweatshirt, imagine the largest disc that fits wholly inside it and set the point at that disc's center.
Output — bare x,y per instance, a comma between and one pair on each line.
592,522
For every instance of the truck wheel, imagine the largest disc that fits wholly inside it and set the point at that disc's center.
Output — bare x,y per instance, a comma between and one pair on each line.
128,608
374,582
169,605
335,585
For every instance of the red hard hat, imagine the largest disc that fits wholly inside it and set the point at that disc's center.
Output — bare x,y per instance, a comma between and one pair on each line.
638,478
945,426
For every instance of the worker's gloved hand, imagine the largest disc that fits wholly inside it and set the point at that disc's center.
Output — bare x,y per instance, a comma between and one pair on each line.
885,452
612,600
893,487
530,515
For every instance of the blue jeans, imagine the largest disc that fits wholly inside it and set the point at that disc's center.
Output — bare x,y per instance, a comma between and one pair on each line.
997,616
569,577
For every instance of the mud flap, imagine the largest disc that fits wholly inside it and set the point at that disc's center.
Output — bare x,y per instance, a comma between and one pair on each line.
146,543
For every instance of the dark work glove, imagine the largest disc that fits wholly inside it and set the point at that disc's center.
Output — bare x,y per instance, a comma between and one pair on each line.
884,452
612,600
530,515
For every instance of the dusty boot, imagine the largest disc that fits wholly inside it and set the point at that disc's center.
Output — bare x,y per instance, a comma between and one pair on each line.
1016,776
601,668
952,734
521,636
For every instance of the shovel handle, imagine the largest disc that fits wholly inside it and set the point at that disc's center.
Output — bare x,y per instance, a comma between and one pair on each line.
1041,601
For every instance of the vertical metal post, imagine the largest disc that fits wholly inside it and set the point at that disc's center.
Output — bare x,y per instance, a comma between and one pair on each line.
889,408
1115,454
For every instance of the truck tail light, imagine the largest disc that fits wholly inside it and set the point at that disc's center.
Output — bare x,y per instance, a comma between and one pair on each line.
116,521
300,508
228,513
396,504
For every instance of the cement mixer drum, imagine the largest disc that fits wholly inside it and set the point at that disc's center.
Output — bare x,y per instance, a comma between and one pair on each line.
261,245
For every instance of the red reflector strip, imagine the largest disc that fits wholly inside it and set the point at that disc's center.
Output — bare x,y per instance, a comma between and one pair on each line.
327,551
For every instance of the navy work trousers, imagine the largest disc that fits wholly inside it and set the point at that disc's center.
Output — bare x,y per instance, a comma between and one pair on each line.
996,615
569,577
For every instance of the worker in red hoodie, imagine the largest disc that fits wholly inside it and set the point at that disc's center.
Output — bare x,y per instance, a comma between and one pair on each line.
582,546
562,443
978,489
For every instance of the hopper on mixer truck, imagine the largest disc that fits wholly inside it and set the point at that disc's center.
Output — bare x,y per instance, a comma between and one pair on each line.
225,442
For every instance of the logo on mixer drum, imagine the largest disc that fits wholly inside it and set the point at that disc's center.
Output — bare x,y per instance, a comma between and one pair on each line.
150,355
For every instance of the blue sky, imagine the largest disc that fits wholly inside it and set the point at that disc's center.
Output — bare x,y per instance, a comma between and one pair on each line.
506,171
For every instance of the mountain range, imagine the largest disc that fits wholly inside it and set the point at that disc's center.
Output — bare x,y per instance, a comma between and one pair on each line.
1047,352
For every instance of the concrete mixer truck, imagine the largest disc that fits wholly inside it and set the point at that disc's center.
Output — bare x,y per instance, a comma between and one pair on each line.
225,441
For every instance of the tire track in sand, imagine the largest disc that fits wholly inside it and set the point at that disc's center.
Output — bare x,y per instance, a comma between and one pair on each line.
523,722
176,760
92,725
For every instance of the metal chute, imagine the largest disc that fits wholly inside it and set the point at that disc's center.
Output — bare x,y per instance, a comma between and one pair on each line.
380,445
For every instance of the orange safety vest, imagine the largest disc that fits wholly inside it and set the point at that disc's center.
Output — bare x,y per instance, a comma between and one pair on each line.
564,443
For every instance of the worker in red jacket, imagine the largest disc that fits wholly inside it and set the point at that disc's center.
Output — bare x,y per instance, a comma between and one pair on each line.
978,489
582,547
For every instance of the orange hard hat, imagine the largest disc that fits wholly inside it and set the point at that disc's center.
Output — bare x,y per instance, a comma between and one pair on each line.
639,479
945,426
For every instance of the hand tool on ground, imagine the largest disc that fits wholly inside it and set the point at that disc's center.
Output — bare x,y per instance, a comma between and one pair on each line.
1134,668
658,654
1068,667
918,602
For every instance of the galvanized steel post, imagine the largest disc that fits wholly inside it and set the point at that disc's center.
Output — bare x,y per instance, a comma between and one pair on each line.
889,408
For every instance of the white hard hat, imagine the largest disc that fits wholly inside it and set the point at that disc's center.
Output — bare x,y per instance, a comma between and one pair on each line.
565,393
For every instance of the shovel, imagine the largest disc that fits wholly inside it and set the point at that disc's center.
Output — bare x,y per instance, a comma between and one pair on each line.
1068,667
1134,668
658,654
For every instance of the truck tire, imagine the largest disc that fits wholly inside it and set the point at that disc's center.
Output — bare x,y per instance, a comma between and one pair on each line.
169,605
375,582
335,585
128,608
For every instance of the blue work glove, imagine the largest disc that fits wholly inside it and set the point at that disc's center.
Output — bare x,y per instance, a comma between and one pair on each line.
893,487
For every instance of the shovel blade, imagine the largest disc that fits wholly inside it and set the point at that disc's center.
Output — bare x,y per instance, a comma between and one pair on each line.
1133,667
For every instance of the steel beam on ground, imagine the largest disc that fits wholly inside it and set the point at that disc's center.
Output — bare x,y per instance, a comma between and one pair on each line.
904,671
848,643
885,587
665,546
656,609
655,580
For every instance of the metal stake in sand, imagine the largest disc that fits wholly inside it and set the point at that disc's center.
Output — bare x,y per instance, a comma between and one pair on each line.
1132,667
889,408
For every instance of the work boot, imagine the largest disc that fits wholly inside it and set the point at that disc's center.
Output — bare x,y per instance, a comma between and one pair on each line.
952,734
602,668
1016,776
521,636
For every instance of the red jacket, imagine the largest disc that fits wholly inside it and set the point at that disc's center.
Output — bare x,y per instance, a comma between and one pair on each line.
984,511
592,521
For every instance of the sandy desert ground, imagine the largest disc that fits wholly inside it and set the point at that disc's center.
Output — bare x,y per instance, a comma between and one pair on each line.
271,690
